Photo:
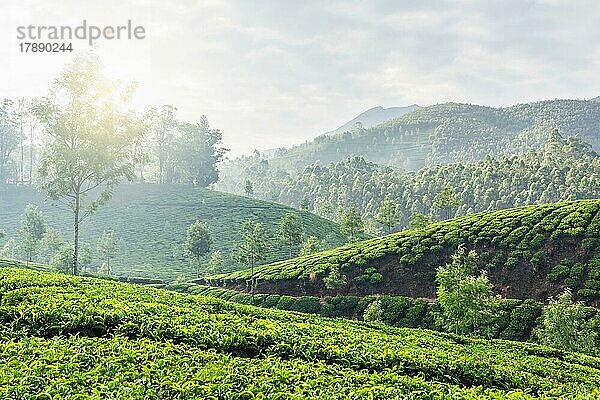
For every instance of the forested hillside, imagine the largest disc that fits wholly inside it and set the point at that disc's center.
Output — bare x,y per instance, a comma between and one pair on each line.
440,134
150,223
529,253
563,169
372,117
69,337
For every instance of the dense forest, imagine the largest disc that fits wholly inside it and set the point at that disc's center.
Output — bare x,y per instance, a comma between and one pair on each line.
441,134
562,169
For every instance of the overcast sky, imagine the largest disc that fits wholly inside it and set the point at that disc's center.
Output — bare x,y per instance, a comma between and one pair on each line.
275,73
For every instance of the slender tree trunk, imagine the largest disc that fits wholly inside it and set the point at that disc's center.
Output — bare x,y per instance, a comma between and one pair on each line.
252,278
76,235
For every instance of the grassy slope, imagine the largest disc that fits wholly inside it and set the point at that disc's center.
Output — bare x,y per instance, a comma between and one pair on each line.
522,248
151,220
63,335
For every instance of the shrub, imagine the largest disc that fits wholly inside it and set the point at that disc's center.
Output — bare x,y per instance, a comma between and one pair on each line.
307,304
286,303
271,301
559,273
374,312
376,278
564,325
589,243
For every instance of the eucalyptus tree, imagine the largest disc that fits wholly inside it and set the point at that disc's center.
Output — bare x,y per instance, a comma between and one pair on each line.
90,129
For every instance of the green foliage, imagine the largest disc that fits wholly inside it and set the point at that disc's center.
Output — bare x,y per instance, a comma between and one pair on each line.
90,135
311,245
564,326
335,280
374,312
420,221
414,252
557,169
290,231
151,220
352,225
108,248
445,201
197,152
466,300
198,242
202,347
31,231
388,215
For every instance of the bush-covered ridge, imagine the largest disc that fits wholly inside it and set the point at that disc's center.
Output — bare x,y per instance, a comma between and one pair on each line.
532,251
151,220
63,335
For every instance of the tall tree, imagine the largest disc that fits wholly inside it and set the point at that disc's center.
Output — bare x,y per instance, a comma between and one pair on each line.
352,225
90,132
162,127
248,189
254,246
290,231
311,245
108,247
31,231
466,299
9,136
389,215
445,202
198,152
198,242
564,325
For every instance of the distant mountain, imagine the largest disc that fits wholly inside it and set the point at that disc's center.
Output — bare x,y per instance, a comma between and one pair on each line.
596,99
374,116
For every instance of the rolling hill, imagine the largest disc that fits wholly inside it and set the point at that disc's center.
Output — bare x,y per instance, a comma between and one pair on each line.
436,135
151,221
530,252
64,337
372,117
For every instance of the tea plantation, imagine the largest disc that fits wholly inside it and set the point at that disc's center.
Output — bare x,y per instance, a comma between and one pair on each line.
151,220
85,338
529,252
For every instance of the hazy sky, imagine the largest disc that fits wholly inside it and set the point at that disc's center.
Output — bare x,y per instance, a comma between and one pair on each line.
272,73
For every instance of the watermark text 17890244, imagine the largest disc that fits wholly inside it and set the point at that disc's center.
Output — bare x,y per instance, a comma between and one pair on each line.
54,39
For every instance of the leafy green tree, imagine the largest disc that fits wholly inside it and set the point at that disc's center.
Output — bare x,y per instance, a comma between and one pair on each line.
51,243
374,312
389,215
162,128
9,136
335,280
90,133
31,231
466,300
198,152
63,259
352,225
107,248
198,243
564,325
86,257
290,231
311,245
248,189
254,247
10,249
419,220
445,202
216,264
305,203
